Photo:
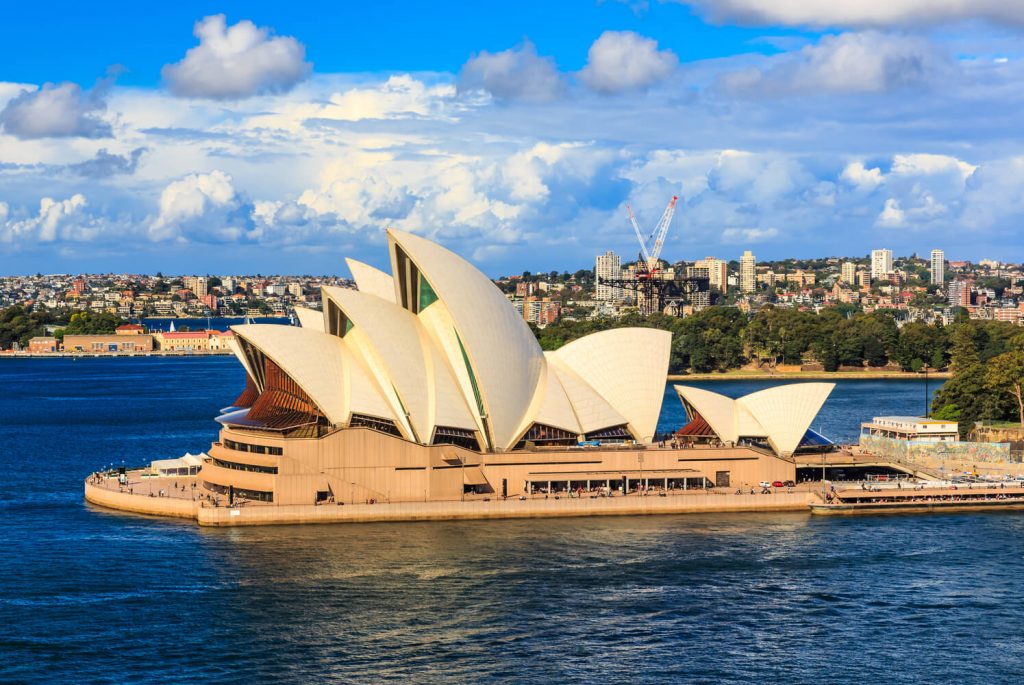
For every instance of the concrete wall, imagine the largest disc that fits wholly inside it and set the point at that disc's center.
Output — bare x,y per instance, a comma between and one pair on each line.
356,465
930,453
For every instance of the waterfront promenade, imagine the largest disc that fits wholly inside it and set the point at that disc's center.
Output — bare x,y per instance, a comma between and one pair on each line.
160,497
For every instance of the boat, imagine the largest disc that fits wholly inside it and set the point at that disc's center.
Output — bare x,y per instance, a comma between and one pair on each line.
921,500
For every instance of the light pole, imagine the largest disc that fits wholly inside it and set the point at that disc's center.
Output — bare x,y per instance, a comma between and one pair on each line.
926,408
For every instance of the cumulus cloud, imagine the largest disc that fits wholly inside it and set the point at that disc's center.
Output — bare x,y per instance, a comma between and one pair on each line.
856,174
623,60
515,74
61,110
203,208
64,219
238,61
863,62
106,164
859,13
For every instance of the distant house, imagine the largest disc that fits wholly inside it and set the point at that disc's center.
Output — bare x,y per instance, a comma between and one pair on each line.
130,329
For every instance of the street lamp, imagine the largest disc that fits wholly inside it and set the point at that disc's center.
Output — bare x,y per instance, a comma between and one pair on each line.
643,490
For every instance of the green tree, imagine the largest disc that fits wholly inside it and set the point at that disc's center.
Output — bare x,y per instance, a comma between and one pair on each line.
1004,374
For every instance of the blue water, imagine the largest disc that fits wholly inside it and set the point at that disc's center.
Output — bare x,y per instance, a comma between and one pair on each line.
217,323
89,596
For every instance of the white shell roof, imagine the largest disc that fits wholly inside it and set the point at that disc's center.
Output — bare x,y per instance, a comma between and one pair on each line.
310,318
555,408
505,357
372,281
781,414
626,366
592,410
322,366
395,336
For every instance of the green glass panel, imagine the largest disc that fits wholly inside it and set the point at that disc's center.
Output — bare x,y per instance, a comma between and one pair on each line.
427,294
472,377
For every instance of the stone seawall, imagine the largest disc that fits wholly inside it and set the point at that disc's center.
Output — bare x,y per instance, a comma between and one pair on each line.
141,504
260,515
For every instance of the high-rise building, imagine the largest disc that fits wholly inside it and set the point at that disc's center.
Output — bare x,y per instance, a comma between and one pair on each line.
700,299
748,272
881,264
848,274
718,271
608,266
959,293
938,267
197,284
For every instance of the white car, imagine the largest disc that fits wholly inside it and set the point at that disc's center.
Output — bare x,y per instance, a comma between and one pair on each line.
764,484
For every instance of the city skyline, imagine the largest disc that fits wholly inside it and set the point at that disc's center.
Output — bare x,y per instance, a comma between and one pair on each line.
515,138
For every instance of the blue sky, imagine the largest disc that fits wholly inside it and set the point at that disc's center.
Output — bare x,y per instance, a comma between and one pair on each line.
259,137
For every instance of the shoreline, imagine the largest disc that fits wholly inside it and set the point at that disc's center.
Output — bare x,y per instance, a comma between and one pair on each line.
809,375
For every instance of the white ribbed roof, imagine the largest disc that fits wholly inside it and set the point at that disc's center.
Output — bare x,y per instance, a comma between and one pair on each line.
505,358
322,366
384,331
310,318
781,414
626,366
555,409
372,281
592,410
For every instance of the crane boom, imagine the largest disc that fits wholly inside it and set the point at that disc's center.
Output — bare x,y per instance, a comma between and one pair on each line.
662,230
639,235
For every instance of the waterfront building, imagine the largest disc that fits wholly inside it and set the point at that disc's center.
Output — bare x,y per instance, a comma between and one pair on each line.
748,272
108,343
429,385
42,344
938,267
608,266
881,264
182,341
911,428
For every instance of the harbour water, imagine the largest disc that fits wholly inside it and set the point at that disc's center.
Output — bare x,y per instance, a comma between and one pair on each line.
92,596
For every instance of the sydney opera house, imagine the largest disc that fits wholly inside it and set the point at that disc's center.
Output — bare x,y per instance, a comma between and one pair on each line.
426,384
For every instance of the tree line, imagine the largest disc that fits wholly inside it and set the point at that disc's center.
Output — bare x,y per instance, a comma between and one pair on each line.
19,324
724,338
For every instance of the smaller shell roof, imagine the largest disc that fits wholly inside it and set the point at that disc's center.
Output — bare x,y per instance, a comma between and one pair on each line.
372,281
782,414
323,367
310,318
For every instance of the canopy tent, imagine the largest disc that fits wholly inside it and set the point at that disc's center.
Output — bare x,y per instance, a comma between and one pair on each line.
187,465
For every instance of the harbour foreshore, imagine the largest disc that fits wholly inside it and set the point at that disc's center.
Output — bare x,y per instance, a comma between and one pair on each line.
206,513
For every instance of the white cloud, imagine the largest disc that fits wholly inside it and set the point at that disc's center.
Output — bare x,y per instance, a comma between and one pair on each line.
399,97
744,236
621,61
514,74
55,220
924,164
56,111
203,208
823,13
862,62
892,215
237,62
856,174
